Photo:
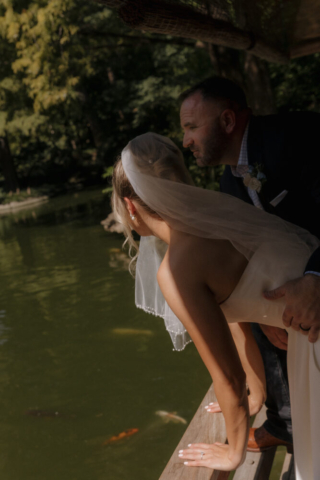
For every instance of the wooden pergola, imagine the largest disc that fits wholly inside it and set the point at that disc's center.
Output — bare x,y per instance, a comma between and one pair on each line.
275,30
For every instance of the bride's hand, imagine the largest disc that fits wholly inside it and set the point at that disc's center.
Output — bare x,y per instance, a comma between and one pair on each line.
254,406
216,456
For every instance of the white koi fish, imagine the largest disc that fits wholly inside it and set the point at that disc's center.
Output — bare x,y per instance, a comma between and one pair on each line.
131,331
171,417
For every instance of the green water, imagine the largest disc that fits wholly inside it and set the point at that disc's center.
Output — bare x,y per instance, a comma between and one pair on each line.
68,382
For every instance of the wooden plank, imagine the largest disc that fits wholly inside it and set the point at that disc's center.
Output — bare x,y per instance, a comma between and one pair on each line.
204,427
305,47
288,468
257,466
211,428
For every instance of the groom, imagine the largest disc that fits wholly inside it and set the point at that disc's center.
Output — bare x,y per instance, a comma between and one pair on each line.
272,162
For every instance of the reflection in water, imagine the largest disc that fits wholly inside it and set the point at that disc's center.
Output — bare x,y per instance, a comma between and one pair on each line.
72,342
3,329
131,331
118,259
47,414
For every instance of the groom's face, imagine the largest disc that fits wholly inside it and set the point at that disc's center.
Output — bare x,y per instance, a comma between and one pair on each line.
203,132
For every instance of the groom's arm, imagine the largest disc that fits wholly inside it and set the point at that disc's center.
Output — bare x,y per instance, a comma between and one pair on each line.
277,336
302,297
313,265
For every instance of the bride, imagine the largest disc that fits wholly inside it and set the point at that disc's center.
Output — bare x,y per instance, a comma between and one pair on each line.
204,260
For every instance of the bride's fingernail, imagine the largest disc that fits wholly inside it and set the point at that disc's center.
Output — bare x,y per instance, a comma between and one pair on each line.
180,451
185,463
207,406
211,403
180,455
189,444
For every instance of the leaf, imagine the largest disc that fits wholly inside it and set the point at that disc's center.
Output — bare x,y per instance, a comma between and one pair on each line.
3,118
108,172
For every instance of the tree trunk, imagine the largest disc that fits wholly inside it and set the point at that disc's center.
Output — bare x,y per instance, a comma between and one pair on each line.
248,71
92,119
8,169
259,92
228,63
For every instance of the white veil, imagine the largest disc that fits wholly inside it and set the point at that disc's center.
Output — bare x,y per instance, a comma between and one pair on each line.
151,163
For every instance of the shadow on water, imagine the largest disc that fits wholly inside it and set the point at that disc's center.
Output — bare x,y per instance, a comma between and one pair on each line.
79,364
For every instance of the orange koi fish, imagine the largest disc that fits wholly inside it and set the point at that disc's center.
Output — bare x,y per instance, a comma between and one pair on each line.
125,434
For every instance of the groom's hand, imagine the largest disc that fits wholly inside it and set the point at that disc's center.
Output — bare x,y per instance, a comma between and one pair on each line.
302,298
277,336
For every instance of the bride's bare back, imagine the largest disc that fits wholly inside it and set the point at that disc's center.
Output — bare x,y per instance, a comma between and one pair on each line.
215,263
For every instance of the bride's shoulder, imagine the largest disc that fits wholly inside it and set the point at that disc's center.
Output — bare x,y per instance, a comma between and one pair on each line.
184,244
192,261
191,254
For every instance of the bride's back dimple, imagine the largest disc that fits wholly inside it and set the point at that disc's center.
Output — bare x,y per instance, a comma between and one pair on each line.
270,267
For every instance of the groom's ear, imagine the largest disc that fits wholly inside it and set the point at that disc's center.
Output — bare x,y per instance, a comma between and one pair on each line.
228,120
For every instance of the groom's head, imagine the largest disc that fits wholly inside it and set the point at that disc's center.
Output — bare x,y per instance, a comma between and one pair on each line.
213,116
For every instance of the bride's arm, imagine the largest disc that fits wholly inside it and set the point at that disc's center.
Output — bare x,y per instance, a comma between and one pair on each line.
194,304
252,363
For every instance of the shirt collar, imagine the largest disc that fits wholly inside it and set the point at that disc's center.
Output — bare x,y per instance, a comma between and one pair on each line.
243,163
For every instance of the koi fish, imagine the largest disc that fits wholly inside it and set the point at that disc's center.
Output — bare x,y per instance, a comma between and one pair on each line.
122,435
171,417
47,414
131,331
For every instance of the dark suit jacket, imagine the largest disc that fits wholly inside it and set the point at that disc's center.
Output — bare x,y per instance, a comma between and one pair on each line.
288,148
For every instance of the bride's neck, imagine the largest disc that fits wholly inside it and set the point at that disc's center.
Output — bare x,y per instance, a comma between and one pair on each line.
160,229
152,225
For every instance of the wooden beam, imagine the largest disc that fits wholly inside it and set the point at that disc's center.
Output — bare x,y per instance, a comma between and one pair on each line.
257,466
204,427
172,19
306,47
210,428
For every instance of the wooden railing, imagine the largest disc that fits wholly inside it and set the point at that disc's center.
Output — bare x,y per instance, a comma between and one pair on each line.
211,428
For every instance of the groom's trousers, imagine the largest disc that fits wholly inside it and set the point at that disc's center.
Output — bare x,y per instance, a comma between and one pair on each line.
278,421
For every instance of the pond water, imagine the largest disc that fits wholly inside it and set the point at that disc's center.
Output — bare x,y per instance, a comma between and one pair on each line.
79,363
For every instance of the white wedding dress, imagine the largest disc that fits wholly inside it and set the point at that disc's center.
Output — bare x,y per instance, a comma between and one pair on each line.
276,251
266,270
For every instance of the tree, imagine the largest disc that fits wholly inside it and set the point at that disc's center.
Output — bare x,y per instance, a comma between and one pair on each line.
76,85
80,95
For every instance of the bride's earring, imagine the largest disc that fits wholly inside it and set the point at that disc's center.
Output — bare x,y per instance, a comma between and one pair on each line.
132,216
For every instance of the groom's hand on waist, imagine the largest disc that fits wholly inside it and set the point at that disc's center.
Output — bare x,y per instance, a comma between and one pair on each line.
277,336
302,311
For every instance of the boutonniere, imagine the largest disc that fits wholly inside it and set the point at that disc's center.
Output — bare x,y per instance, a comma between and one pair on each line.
255,178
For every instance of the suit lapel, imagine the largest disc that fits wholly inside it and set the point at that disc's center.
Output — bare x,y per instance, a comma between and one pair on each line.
234,185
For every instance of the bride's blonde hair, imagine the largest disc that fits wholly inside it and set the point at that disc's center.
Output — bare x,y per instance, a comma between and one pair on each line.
157,156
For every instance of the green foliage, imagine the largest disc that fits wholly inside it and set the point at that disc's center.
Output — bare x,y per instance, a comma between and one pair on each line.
206,177
6,198
76,85
73,91
108,175
296,86
108,172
